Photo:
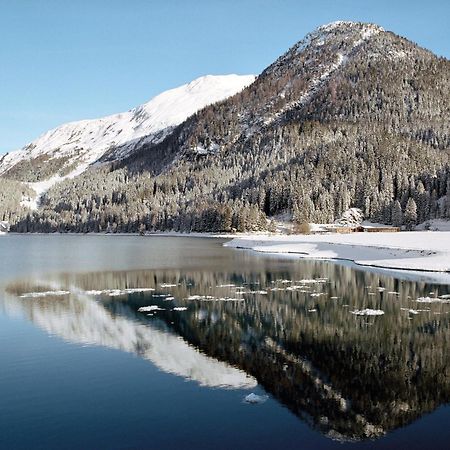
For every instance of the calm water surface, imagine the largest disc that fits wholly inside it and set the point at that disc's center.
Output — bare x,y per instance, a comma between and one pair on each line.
131,342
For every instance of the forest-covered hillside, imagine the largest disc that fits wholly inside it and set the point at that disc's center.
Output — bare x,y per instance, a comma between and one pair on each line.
352,115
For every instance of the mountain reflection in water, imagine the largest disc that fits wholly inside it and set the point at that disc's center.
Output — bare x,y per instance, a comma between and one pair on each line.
351,377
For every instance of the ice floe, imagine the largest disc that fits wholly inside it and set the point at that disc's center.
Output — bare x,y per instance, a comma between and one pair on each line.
255,399
211,298
299,288
433,300
117,292
44,294
368,312
411,311
150,308
180,308
200,297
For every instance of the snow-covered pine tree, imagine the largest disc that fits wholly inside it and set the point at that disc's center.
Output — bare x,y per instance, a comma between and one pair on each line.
397,214
410,217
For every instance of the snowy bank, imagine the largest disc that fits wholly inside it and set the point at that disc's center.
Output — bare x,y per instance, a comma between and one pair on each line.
415,250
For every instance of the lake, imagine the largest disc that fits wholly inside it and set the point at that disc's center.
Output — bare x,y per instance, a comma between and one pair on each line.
172,342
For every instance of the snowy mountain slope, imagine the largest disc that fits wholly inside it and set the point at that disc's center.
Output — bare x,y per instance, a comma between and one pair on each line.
69,149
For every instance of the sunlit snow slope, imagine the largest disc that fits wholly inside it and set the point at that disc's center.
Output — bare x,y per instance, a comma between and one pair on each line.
72,147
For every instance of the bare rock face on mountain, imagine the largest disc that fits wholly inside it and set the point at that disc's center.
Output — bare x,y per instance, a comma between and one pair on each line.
351,116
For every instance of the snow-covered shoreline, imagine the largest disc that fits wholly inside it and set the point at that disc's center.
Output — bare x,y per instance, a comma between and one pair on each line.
421,251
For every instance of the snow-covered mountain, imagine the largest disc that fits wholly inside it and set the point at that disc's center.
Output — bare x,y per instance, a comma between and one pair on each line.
350,116
69,149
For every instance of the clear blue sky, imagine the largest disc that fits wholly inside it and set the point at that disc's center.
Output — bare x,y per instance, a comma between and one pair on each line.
64,60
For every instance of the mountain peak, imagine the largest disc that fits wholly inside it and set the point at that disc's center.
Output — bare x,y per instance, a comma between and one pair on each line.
331,45
346,33
218,81
348,25
343,31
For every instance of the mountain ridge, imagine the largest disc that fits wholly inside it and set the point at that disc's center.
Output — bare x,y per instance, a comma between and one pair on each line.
86,141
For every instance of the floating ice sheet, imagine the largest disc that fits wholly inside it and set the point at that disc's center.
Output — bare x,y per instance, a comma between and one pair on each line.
255,399
150,308
117,292
44,294
433,300
368,312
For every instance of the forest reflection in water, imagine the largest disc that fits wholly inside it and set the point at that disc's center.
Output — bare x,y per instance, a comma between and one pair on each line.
296,332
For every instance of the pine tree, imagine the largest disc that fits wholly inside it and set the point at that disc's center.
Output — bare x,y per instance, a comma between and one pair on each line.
397,214
410,214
